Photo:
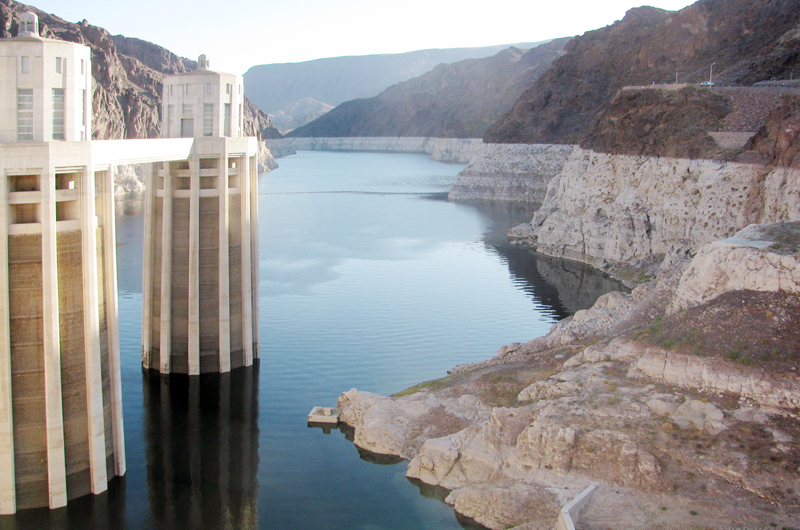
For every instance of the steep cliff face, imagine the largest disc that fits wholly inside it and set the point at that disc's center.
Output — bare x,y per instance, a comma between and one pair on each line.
458,100
609,209
127,76
746,40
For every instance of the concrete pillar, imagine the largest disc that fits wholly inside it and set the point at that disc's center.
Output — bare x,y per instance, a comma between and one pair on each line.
224,275
165,345
194,266
147,264
112,318
8,496
56,459
254,251
247,291
91,336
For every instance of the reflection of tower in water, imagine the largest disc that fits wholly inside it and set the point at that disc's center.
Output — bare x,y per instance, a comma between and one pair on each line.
202,448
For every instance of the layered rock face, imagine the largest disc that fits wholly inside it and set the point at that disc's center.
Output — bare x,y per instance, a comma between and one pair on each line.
441,149
511,172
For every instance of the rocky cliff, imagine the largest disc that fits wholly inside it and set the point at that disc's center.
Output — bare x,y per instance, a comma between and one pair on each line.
458,100
127,76
746,40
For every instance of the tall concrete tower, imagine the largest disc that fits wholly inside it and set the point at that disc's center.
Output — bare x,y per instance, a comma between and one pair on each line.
200,292
61,432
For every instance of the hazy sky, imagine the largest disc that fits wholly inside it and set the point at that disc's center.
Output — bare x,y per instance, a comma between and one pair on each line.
237,34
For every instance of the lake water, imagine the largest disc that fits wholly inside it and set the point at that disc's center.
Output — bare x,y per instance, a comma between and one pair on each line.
371,279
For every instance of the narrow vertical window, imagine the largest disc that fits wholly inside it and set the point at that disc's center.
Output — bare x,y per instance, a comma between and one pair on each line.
58,114
170,90
83,107
208,88
227,123
168,126
25,65
58,65
25,114
187,88
83,67
241,121
227,88
208,118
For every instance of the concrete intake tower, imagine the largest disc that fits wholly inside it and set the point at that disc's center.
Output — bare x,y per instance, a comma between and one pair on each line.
200,277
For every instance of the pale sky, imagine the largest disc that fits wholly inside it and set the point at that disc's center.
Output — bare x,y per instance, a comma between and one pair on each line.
238,34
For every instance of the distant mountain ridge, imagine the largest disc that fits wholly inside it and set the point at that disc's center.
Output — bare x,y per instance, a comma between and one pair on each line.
275,88
458,100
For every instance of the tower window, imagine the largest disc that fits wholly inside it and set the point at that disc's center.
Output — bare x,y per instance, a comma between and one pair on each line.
25,65
187,88
208,88
227,123
25,114
58,65
83,67
208,118
227,88
58,114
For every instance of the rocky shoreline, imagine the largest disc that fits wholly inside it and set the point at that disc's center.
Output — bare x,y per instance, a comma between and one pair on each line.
673,397
666,428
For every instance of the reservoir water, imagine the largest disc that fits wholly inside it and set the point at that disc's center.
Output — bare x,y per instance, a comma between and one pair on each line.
371,279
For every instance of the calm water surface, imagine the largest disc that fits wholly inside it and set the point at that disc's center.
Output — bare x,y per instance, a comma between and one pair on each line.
371,279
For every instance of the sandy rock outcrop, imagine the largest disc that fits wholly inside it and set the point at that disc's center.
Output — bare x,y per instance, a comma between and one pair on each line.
758,258
399,426
511,172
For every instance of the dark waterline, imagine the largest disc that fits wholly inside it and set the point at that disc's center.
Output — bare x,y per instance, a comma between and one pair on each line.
370,278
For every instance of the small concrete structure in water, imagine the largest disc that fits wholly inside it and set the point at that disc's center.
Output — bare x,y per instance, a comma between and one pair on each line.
324,415
61,426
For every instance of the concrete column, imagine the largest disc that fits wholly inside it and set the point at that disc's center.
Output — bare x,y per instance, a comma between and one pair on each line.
147,265
247,291
56,459
91,334
194,265
254,251
8,496
224,274
166,274
112,318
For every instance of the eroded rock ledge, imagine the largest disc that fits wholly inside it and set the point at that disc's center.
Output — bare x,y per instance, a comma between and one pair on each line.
678,395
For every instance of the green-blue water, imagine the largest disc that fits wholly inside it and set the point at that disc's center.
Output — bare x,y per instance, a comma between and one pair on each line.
371,279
